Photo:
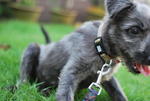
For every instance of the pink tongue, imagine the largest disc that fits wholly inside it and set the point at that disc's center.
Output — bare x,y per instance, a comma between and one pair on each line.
143,69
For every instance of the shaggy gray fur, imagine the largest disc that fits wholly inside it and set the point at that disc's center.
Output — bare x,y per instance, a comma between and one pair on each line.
72,62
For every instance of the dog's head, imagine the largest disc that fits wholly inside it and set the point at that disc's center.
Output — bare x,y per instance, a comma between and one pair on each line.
127,30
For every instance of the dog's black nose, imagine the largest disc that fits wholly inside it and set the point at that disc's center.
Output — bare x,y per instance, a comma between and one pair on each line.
143,58
148,59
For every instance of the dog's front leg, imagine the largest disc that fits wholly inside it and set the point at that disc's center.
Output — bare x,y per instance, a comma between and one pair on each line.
114,90
66,88
69,80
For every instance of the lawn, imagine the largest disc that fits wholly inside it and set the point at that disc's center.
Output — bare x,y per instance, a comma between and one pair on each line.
19,35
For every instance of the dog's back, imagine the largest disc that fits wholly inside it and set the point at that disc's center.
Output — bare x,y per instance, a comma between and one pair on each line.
55,55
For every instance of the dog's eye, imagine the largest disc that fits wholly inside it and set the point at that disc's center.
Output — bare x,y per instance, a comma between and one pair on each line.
134,30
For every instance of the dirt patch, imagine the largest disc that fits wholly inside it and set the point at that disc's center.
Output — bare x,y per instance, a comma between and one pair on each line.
4,47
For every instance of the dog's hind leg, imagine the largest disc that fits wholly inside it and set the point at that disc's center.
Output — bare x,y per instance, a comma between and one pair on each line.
114,90
29,63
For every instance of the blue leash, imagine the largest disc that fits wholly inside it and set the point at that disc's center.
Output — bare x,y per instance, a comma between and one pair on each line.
91,96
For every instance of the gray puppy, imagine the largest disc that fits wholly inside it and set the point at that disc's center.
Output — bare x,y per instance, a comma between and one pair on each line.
73,62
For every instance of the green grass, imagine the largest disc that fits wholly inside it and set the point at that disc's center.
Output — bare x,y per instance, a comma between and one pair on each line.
20,34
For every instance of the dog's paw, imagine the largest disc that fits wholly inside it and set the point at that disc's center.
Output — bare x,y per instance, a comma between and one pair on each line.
64,97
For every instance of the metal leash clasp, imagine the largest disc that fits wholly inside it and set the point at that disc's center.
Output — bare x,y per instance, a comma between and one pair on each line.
97,85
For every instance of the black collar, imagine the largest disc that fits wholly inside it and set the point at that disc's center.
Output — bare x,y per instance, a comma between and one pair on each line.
101,50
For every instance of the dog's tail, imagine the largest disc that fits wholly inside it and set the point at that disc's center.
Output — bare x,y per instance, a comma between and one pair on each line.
45,33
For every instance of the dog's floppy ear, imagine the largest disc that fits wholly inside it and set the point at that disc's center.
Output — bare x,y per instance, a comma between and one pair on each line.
114,7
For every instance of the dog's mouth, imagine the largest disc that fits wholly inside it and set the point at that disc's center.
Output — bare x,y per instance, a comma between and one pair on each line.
143,69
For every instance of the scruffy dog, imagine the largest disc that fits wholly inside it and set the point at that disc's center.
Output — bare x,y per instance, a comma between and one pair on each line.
73,62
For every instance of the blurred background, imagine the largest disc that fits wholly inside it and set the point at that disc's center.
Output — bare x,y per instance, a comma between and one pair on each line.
59,11
62,11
